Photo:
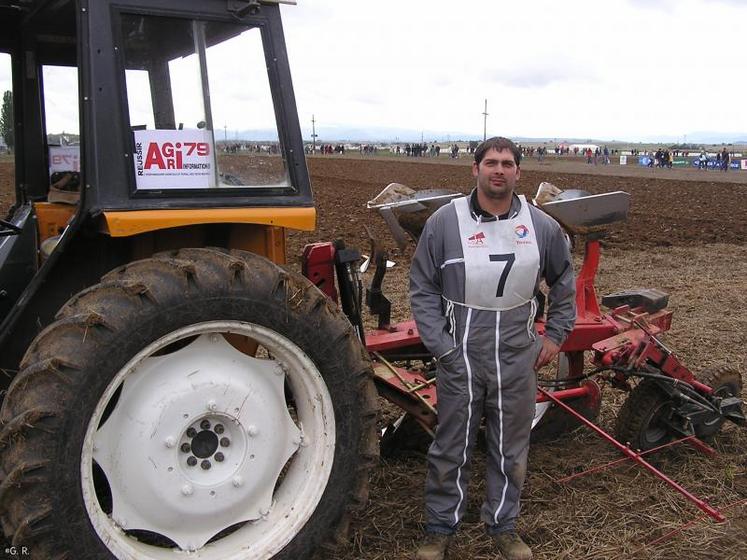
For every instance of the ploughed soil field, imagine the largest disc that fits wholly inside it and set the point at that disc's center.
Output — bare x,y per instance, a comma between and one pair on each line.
687,235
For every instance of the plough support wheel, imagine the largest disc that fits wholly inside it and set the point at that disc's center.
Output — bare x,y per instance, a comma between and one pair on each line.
641,420
726,382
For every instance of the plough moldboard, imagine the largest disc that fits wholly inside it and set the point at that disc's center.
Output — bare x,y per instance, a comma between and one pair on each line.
667,403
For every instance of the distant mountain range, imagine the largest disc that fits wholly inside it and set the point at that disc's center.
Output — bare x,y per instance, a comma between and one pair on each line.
703,137
393,134
334,134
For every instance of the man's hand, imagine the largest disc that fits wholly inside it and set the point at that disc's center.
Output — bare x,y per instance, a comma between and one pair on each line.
547,354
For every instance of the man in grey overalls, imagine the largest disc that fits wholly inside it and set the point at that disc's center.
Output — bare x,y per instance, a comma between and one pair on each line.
473,282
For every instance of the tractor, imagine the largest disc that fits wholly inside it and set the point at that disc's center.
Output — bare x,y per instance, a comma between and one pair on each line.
171,386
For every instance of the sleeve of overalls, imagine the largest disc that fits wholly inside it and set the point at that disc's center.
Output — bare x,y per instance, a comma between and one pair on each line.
558,273
425,290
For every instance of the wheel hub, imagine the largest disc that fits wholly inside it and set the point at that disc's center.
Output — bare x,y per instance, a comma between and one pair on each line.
216,443
204,444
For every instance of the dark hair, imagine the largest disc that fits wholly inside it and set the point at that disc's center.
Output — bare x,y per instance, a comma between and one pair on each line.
497,143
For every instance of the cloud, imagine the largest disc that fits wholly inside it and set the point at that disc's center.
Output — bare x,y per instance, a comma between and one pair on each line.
581,69
659,5
534,76
443,81
671,5
367,99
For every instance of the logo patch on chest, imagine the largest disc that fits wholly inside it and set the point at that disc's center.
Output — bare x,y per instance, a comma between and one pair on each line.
477,240
522,235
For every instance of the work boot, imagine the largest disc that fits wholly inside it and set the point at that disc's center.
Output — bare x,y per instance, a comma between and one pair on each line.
434,547
510,545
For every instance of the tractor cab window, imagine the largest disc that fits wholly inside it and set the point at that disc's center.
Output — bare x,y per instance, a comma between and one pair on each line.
200,106
7,139
61,102
62,132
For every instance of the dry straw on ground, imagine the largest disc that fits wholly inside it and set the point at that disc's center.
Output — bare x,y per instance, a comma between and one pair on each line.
686,236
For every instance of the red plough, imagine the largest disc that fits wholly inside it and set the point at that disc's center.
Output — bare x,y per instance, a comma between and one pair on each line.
667,403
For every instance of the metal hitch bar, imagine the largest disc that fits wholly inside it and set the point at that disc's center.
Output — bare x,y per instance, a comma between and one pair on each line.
712,512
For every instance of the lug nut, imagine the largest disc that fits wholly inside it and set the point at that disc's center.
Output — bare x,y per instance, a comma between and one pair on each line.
191,461
191,432
205,465
225,442
186,448
219,457
205,424
219,429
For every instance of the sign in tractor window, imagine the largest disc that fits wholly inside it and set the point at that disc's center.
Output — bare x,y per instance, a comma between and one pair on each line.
174,159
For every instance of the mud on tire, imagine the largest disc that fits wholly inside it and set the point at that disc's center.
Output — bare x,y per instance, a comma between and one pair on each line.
638,421
48,410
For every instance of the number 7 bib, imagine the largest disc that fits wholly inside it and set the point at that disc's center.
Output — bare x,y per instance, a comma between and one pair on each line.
501,258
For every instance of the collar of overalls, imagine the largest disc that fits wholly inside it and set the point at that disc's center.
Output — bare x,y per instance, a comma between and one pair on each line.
480,214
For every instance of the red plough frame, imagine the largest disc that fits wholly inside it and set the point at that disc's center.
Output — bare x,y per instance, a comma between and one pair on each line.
624,338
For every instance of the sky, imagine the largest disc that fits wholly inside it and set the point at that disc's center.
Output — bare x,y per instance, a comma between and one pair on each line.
636,70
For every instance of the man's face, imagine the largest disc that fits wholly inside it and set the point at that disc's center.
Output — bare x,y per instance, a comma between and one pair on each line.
497,174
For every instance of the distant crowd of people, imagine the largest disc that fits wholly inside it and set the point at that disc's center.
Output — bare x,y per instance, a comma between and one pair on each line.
418,150
326,149
236,147
530,151
721,162
664,158
661,158
594,156
675,152
433,150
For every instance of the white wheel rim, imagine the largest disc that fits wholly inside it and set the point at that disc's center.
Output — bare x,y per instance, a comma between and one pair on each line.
140,449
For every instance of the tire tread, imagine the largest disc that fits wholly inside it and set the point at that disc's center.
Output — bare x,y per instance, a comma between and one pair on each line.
632,417
56,362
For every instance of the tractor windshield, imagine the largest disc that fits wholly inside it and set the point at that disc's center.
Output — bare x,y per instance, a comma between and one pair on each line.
198,97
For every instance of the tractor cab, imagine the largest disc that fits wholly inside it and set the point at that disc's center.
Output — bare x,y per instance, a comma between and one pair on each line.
143,127
158,162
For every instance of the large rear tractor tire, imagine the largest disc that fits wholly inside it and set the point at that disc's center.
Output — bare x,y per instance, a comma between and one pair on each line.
201,400
726,382
640,419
